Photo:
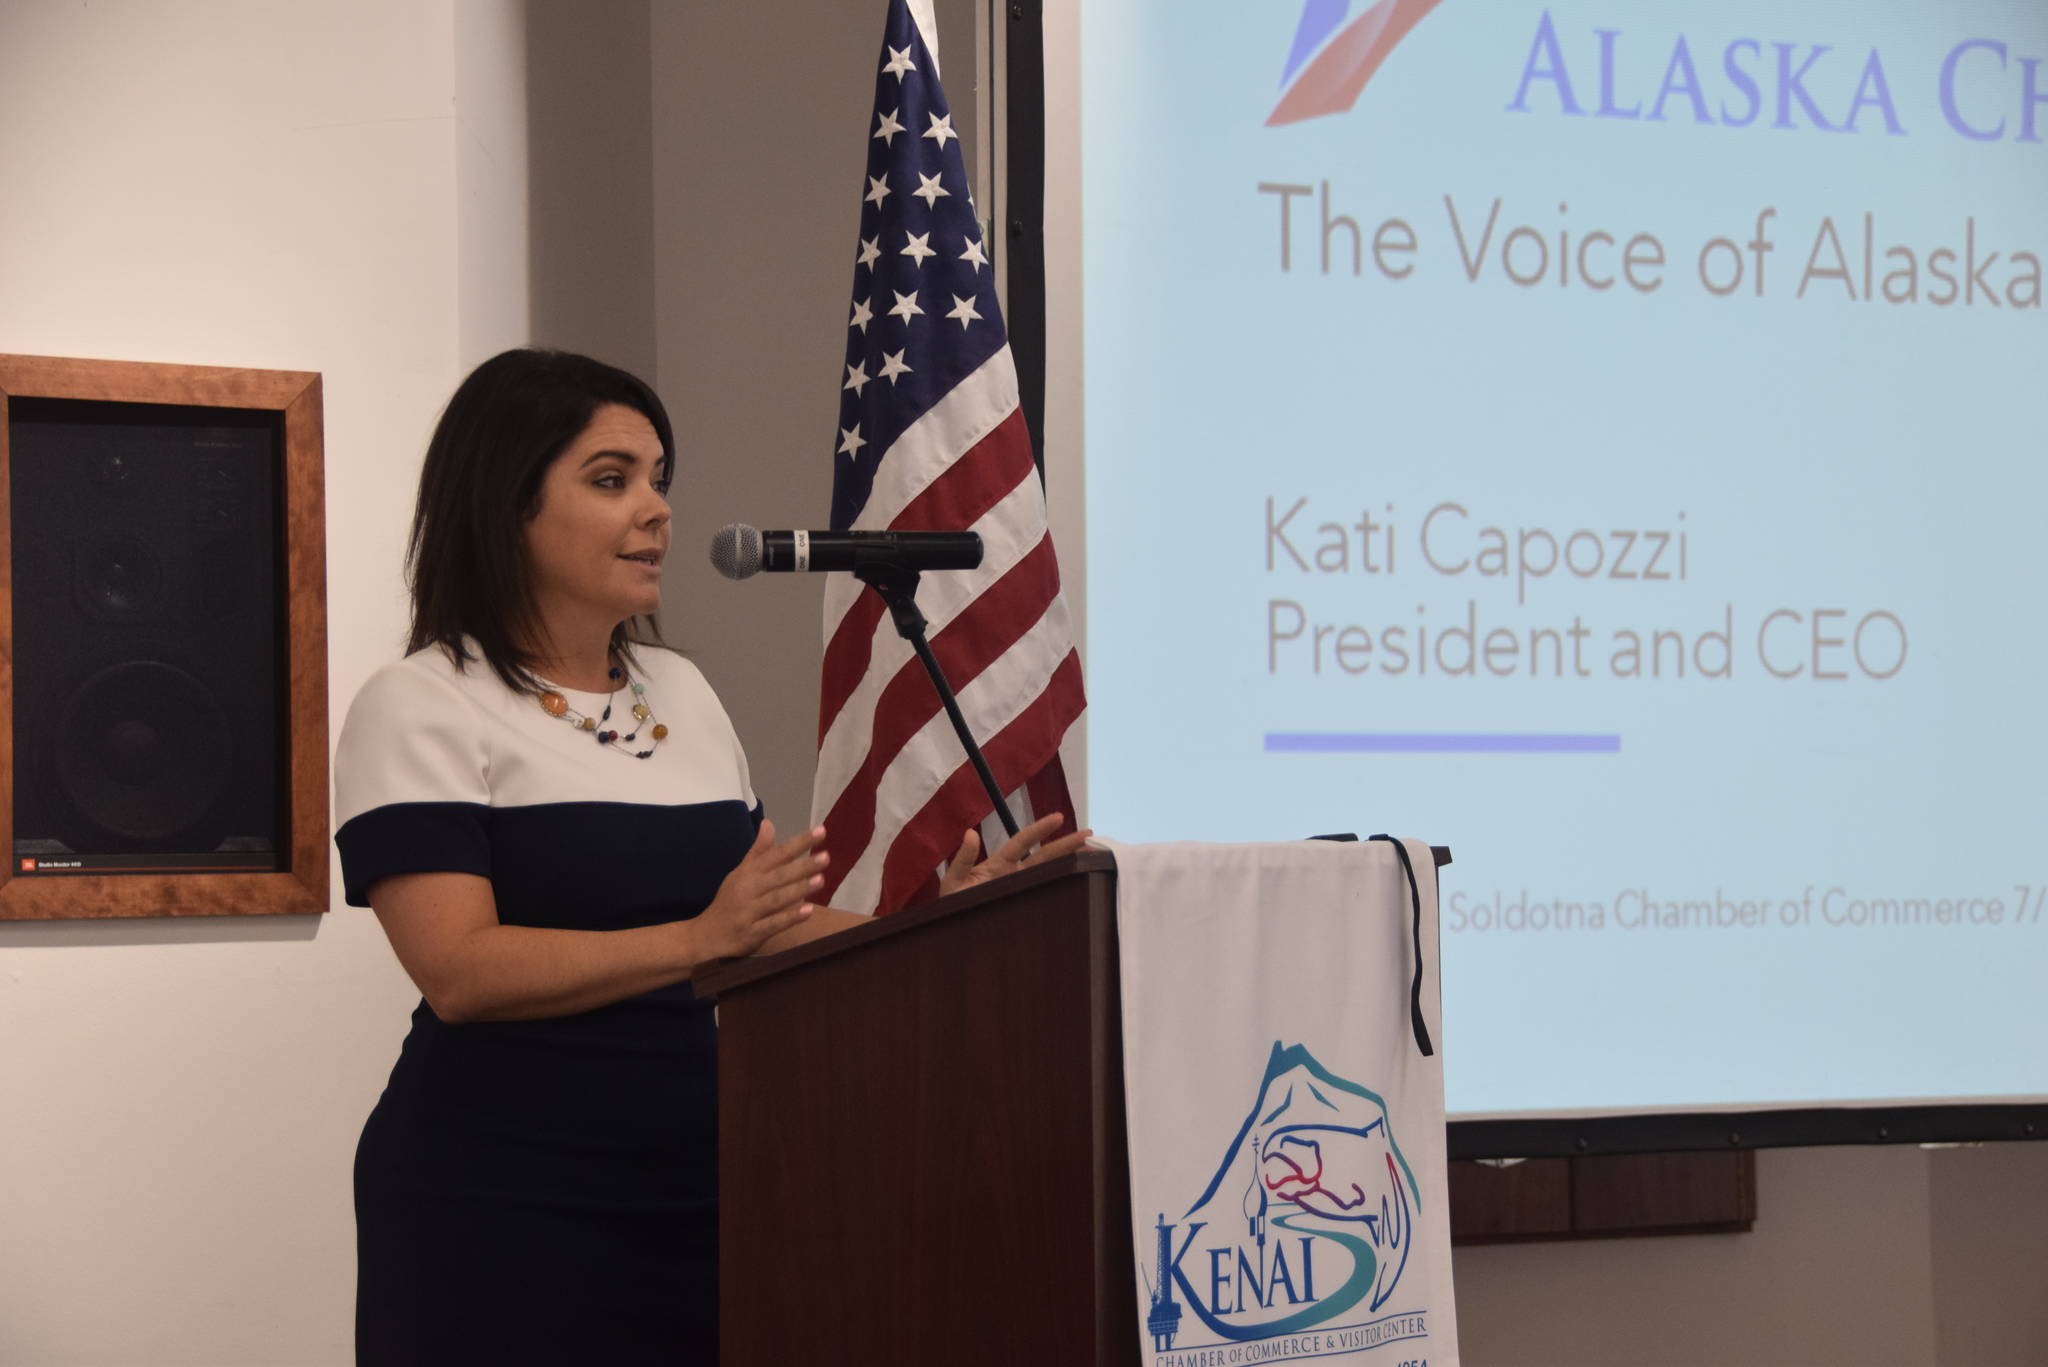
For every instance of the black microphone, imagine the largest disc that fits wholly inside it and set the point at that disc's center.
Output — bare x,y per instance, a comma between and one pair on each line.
740,551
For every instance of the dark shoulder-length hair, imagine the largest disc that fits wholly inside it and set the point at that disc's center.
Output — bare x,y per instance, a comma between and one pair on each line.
466,562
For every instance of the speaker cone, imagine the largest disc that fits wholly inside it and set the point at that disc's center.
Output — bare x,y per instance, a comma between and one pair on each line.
117,579
143,751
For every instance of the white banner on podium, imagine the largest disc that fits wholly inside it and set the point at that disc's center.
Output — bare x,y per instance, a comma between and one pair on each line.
1286,1122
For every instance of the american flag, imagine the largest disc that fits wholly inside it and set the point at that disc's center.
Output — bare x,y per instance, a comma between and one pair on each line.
931,438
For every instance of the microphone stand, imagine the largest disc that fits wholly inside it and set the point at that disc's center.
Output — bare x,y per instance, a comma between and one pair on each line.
898,588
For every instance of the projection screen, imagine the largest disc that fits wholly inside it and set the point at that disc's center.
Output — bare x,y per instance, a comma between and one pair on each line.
1607,439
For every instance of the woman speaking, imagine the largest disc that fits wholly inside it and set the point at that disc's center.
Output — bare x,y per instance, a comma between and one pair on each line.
552,819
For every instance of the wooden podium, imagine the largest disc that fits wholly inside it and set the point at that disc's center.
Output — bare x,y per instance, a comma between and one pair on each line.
921,1136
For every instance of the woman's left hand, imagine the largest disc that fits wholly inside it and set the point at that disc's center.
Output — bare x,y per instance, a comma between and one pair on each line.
1019,850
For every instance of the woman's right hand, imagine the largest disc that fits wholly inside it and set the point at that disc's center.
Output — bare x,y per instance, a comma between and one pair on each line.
766,895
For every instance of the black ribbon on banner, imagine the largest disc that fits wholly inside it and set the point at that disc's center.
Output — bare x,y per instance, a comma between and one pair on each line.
1415,988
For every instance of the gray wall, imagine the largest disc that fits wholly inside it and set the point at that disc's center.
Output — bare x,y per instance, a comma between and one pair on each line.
590,176
760,133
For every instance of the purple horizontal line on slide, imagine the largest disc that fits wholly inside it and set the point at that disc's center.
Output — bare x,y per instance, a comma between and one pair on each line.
1438,742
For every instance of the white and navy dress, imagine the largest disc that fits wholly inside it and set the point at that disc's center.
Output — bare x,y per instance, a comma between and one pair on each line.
543,1191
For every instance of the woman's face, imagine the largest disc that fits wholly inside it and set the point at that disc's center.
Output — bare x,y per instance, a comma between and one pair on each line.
597,542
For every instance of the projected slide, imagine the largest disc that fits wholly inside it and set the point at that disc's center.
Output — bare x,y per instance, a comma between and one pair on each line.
1610,439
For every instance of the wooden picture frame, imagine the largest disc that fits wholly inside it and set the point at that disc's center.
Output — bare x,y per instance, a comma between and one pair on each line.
301,884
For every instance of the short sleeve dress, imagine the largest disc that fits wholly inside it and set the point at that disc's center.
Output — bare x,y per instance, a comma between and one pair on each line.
543,1191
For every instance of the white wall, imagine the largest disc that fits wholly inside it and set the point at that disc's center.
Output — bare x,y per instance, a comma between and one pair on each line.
336,185
247,185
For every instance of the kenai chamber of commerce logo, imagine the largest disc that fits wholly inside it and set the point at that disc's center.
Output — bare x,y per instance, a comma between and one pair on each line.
1310,1217
1334,55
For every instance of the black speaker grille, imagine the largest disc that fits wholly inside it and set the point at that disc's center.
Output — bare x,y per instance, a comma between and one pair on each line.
148,641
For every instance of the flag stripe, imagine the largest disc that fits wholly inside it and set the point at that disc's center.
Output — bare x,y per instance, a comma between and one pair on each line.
977,484
853,735
990,703
926,449
1048,793
927,28
1029,742
909,701
846,740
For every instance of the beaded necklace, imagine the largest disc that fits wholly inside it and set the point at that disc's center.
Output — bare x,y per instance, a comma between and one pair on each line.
556,705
